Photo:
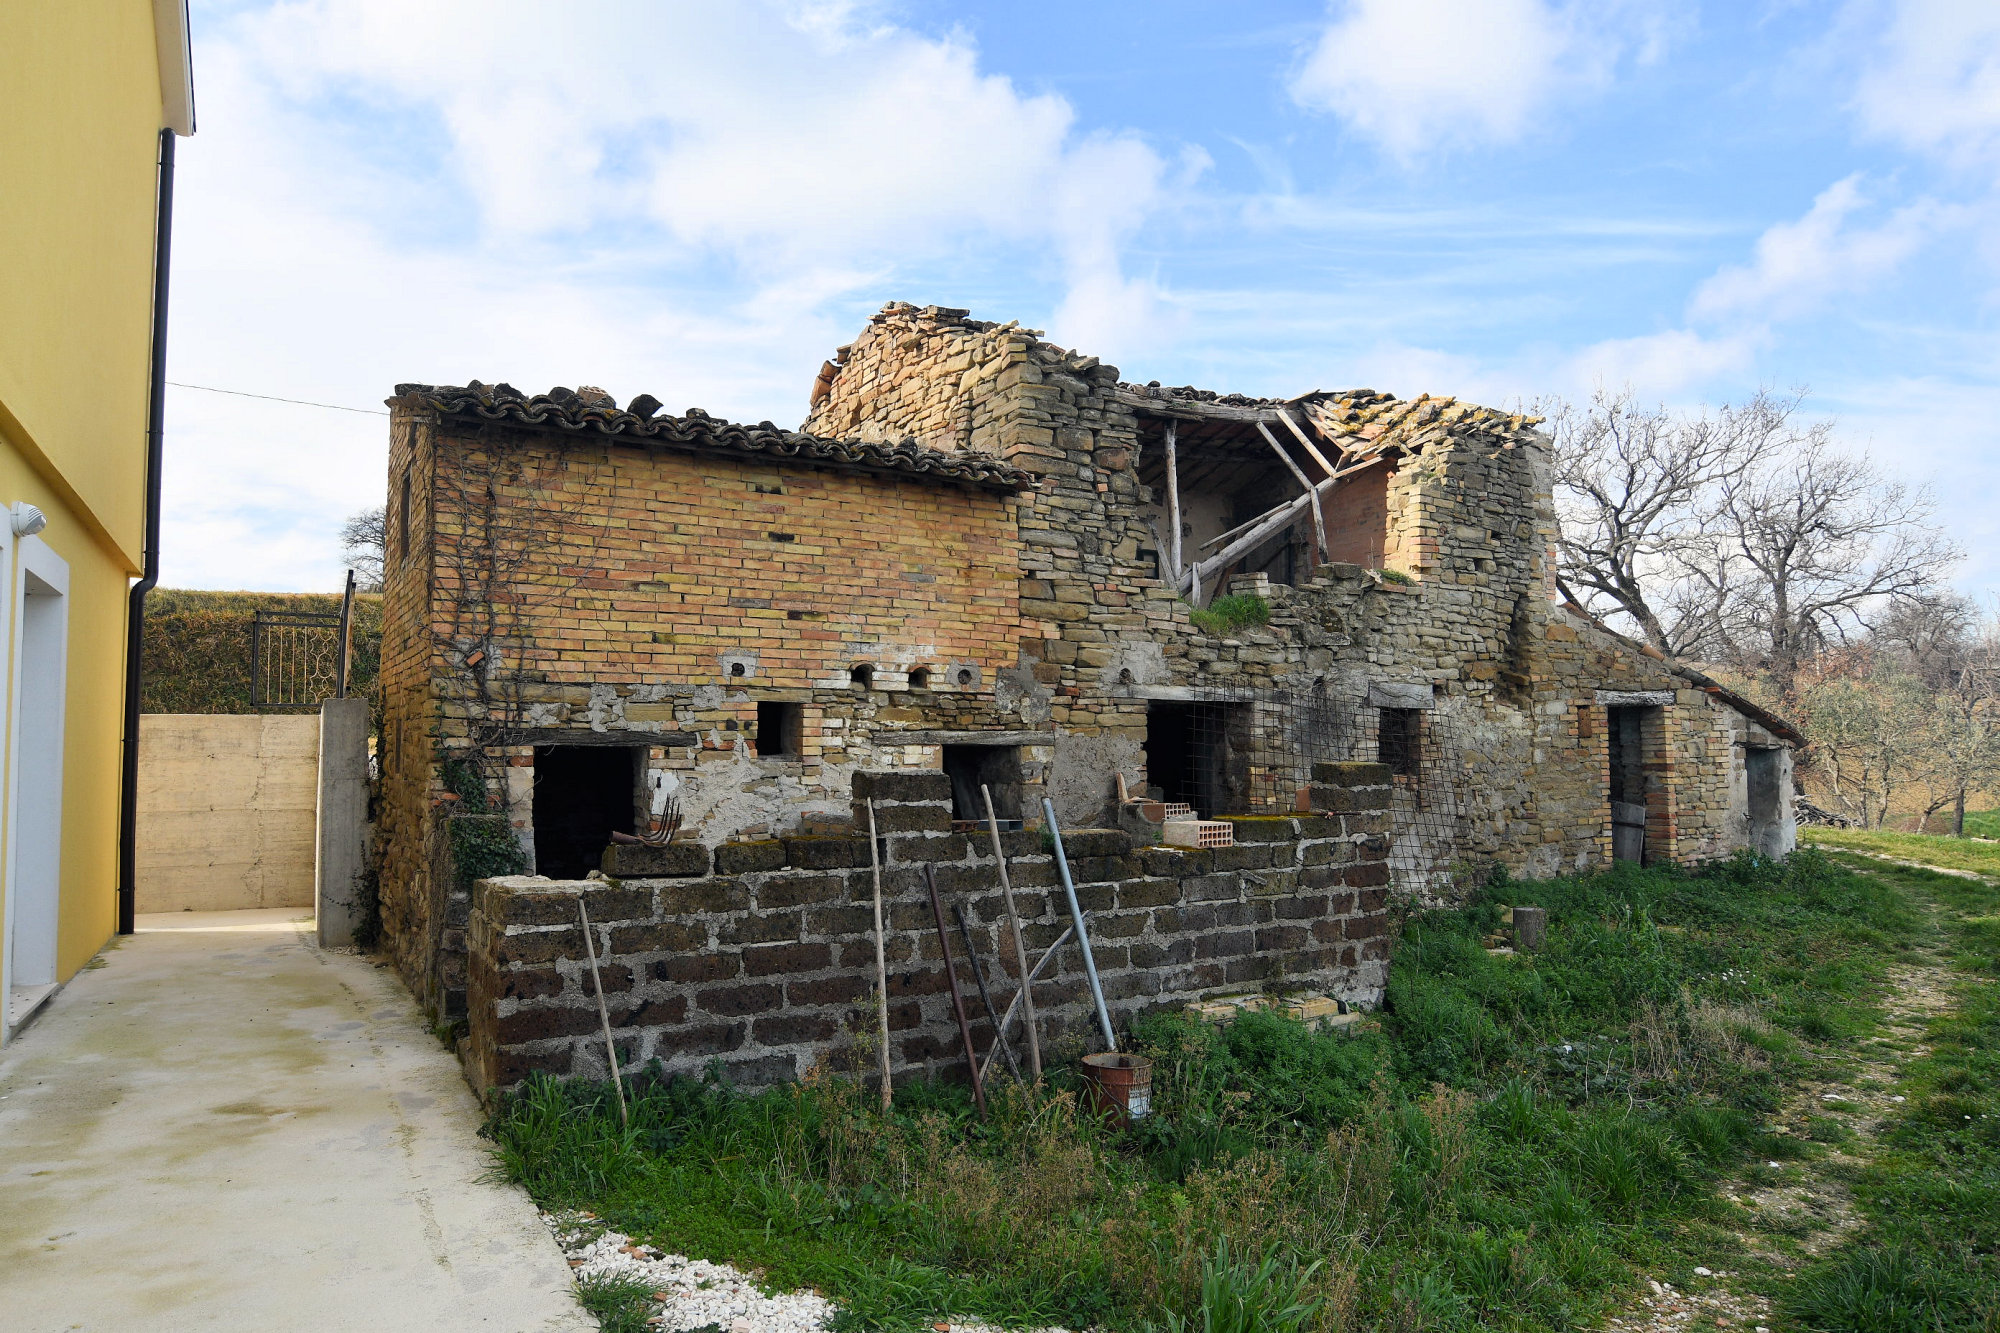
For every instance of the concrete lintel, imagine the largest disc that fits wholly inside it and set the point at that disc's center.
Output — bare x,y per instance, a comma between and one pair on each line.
963,737
1190,694
1400,694
1635,698
527,736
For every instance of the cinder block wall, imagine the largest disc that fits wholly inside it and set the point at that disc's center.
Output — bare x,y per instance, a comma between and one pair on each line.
761,955
226,806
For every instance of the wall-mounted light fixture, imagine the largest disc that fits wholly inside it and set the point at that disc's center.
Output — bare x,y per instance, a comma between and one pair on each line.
26,520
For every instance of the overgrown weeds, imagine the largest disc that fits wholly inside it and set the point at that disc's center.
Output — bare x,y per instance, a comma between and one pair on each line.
1229,613
1504,1147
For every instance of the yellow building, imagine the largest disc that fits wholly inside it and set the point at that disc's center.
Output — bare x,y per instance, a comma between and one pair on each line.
94,93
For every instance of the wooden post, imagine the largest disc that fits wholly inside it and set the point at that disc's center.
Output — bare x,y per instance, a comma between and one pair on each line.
603,1014
1530,924
881,961
957,999
1312,491
1173,501
1027,995
1310,449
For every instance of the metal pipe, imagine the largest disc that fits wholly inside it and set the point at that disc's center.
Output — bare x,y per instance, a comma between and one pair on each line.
346,638
149,576
1082,934
957,998
1027,995
985,996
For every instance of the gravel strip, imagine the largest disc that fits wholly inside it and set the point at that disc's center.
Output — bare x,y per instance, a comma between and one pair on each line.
694,1293
1666,1309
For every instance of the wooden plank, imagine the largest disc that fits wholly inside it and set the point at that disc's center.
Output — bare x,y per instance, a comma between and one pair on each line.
1317,456
1174,500
1189,409
1312,492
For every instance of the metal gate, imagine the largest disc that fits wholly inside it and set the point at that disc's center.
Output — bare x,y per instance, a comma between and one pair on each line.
299,659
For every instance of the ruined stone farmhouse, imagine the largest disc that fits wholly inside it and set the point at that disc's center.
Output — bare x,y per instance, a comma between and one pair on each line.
1327,622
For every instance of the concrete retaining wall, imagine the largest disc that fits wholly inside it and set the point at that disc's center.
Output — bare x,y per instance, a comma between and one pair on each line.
226,811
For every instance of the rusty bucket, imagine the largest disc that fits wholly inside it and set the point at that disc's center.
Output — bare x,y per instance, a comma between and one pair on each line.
1121,1086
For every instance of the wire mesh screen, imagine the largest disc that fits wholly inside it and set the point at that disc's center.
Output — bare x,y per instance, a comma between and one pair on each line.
1232,752
295,658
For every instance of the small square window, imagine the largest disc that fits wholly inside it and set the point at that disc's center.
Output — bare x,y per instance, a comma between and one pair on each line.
1399,741
780,730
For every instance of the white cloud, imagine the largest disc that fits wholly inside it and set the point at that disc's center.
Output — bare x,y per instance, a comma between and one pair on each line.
1419,74
1800,264
1659,364
694,201
1933,80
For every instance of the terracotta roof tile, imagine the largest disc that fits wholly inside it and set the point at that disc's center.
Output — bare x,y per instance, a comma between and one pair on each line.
595,412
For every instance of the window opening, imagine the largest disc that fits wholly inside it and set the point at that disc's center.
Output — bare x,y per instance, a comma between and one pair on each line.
583,794
997,766
780,730
403,515
1194,752
1399,741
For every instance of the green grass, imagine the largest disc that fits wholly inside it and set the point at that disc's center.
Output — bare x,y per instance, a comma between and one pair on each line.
1509,1147
1929,1258
1227,614
1982,858
1982,823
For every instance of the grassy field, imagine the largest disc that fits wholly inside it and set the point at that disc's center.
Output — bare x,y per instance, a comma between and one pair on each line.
1515,1143
1982,858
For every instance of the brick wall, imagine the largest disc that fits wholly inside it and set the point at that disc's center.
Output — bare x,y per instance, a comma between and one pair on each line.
761,954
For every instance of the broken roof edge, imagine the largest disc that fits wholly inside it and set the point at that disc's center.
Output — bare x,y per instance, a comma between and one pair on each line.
596,412
1695,676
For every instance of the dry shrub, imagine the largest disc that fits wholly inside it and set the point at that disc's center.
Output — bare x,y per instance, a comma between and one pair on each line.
1447,1115
1693,1045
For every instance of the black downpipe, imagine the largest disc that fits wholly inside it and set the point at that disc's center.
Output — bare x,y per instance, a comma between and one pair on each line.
135,622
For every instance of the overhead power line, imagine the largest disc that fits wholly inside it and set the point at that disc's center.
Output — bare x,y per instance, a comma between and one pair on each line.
273,398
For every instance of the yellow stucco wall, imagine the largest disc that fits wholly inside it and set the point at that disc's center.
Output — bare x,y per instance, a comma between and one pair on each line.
81,84
80,81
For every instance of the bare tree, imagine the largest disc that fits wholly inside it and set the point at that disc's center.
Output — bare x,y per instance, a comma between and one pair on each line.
364,540
1740,534
1634,488
1815,541
1944,643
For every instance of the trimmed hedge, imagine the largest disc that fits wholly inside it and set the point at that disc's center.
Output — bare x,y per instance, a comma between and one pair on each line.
197,646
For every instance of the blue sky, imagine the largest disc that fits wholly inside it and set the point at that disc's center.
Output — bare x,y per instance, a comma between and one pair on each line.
1501,199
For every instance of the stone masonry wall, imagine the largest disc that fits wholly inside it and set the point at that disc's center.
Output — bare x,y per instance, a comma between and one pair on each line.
761,954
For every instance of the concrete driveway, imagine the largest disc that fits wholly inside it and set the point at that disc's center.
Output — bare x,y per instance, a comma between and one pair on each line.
223,1127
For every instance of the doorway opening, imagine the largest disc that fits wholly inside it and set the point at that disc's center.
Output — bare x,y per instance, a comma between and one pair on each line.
1764,778
1628,728
1195,755
583,794
34,869
997,766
